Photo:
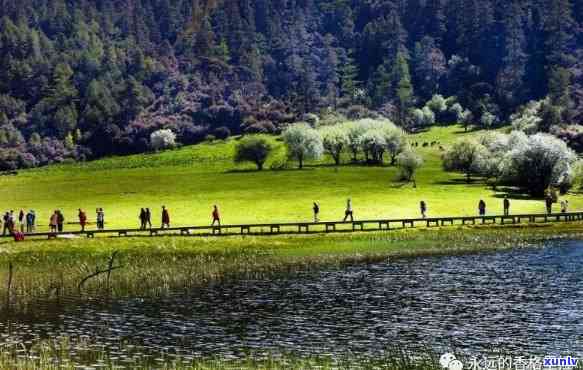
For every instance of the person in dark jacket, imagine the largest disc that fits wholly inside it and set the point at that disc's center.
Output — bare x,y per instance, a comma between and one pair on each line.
148,218
423,208
165,218
30,221
482,207
21,220
142,219
60,221
6,220
549,203
506,206
316,209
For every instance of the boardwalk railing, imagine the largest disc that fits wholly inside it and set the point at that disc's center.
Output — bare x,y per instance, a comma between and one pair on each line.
326,226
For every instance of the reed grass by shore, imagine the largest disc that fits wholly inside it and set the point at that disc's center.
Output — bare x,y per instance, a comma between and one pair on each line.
73,354
45,271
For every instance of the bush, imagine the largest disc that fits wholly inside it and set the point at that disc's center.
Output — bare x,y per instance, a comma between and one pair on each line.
253,149
222,133
162,139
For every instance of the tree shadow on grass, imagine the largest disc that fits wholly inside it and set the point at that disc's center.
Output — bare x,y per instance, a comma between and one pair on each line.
514,193
460,182
312,167
266,170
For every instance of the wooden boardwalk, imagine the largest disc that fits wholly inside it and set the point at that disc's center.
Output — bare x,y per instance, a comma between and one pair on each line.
322,227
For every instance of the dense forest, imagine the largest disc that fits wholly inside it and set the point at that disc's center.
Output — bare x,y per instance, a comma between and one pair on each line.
87,78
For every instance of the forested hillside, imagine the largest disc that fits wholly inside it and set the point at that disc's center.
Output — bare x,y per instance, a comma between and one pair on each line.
83,79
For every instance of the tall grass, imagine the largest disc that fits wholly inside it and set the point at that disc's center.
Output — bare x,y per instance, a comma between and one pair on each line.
71,353
46,271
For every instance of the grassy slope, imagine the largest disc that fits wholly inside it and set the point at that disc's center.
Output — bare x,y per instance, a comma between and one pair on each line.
189,180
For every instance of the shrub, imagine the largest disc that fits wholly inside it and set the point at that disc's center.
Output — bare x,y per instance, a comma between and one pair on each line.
222,133
253,149
162,139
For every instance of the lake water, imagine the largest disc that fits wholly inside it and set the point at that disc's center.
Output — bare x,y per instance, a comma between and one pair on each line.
521,302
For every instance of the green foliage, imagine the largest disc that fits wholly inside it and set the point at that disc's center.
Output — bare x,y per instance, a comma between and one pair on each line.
465,156
253,149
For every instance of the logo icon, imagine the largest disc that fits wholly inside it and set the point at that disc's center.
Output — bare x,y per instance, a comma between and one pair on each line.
450,362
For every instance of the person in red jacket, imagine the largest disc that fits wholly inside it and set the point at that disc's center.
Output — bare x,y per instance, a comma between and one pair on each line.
82,219
165,218
216,216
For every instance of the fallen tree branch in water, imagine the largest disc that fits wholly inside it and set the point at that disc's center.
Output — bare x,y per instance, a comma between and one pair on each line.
108,270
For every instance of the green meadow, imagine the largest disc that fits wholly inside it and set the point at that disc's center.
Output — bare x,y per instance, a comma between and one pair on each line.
190,180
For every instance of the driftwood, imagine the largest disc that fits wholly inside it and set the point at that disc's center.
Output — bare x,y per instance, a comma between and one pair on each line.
108,270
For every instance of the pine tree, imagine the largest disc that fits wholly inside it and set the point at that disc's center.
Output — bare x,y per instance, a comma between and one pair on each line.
381,84
403,88
348,79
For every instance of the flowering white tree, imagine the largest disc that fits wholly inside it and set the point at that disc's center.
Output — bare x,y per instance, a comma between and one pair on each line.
303,142
437,104
373,143
540,162
162,139
466,156
408,163
528,119
354,130
395,142
334,140
423,117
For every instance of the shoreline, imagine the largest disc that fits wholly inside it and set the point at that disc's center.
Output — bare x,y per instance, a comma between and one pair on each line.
50,270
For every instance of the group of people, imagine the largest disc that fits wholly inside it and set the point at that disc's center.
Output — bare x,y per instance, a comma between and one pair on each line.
56,221
506,206
349,213
27,221
146,218
24,221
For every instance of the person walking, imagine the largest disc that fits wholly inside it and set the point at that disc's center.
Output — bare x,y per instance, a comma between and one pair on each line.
142,219
11,222
30,218
6,219
423,208
506,206
564,206
101,219
316,209
165,218
148,218
549,203
348,212
216,216
82,219
60,221
482,207
21,220
53,221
